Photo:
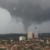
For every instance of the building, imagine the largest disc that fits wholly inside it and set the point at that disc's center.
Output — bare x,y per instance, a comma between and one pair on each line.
35,35
22,38
30,35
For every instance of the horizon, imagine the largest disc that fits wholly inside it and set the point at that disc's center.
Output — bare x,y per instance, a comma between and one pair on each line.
23,33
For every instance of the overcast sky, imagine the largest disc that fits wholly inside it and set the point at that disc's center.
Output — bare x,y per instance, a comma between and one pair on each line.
21,16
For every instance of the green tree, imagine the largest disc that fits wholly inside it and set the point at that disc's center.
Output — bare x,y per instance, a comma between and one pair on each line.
18,48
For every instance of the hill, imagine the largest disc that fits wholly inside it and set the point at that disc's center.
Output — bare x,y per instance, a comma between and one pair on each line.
16,35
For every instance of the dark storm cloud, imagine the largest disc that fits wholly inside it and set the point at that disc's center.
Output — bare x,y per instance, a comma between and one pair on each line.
31,11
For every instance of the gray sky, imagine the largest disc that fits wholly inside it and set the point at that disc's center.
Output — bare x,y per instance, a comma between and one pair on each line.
19,16
8,24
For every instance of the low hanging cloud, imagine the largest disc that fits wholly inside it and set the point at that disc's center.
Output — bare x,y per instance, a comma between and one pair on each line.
5,18
9,24
31,11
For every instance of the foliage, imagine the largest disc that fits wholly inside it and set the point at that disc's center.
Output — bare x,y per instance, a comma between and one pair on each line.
18,48
2,49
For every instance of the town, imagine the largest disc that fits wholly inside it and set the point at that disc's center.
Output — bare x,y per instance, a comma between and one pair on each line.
31,43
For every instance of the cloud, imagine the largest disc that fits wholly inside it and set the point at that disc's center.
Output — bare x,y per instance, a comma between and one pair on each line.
5,18
42,28
31,11
8,24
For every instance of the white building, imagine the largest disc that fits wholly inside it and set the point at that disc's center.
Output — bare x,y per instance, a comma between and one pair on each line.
22,38
30,35
35,35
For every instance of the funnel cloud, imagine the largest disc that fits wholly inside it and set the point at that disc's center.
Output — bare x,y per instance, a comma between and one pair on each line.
30,11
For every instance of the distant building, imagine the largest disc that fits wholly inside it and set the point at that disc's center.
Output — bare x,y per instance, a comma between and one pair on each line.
30,35
22,38
35,35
